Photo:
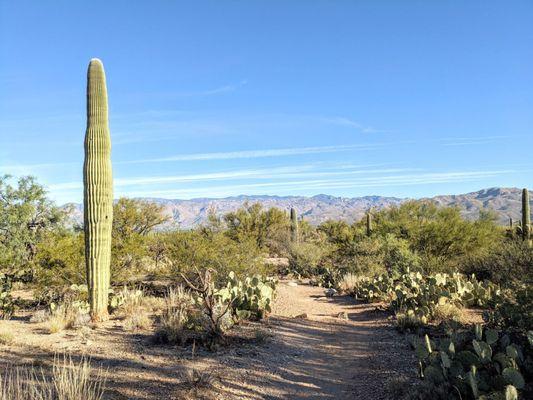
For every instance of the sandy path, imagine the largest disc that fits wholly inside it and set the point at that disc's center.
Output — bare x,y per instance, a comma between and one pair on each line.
323,356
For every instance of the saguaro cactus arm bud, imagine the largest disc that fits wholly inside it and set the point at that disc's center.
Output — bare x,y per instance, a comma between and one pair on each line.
97,192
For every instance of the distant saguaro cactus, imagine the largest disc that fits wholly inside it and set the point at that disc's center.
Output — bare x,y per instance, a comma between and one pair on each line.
368,223
294,226
526,221
97,192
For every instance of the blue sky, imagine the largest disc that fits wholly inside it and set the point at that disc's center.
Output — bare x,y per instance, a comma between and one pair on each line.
220,98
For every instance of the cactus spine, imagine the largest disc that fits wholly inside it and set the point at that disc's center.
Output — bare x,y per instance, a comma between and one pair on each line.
526,222
368,223
294,226
97,192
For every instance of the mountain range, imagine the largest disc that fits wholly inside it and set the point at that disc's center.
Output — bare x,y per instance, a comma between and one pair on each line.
505,202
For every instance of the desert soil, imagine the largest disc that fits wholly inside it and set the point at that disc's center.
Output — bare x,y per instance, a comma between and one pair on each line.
311,347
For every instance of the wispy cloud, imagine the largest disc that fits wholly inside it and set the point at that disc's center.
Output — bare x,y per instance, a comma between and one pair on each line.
231,155
344,121
468,141
231,87
283,180
321,184
285,172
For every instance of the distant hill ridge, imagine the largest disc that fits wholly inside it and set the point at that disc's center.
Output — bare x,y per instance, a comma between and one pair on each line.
505,202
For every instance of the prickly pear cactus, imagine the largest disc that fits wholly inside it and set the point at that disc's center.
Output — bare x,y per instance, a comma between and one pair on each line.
97,192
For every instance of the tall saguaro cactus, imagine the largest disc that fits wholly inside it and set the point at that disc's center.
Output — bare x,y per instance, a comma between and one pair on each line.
526,221
368,223
97,192
294,226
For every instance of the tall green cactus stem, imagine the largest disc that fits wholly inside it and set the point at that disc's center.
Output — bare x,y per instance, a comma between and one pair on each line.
294,226
97,192
526,221
368,223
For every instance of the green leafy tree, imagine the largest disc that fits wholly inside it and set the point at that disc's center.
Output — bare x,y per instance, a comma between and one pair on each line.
133,222
188,251
270,229
26,215
439,235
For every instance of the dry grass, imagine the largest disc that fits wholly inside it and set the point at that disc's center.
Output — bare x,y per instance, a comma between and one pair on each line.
68,381
349,282
448,312
175,317
6,338
66,316
139,321
135,309
408,322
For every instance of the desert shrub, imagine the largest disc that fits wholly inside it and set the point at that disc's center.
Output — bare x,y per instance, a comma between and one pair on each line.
269,229
440,237
68,380
362,256
305,258
26,215
349,283
189,251
507,263
215,314
7,305
337,232
398,258
59,263
134,221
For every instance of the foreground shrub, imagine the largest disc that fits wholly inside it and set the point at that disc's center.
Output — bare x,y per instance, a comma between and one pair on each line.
215,315
69,380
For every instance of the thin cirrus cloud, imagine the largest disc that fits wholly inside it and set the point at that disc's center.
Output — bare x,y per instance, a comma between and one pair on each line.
231,155
200,93
285,182
285,172
295,186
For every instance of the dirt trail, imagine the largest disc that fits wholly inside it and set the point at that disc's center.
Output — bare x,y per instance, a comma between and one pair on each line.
321,356
324,356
